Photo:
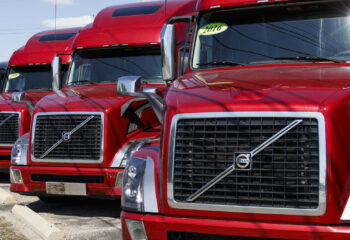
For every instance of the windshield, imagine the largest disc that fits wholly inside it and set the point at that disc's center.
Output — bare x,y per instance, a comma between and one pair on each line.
107,65
313,32
30,78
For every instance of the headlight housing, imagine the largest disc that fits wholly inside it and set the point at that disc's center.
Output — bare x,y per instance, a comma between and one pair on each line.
133,191
127,151
19,151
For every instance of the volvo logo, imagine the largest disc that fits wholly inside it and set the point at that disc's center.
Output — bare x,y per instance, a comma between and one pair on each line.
66,136
243,161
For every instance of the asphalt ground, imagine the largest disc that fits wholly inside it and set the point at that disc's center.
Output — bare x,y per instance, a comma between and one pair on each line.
78,217
7,232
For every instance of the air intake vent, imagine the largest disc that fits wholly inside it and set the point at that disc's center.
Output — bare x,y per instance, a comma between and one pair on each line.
283,174
9,128
68,137
124,12
56,37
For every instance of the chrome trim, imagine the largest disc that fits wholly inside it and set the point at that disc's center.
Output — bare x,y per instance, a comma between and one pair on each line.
230,169
55,160
236,208
150,202
23,160
19,128
168,52
128,149
150,90
129,84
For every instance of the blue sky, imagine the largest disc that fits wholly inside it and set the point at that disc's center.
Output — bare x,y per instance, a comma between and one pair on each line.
20,19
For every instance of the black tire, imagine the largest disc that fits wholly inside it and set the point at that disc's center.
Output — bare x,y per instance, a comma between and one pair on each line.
50,200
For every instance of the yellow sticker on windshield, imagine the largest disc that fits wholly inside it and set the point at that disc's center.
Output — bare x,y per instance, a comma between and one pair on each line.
14,75
213,28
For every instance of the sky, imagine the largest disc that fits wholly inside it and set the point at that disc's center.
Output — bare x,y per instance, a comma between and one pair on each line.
20,19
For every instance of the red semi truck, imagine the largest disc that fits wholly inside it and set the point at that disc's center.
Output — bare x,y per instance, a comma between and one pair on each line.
81,135
28,72
255,139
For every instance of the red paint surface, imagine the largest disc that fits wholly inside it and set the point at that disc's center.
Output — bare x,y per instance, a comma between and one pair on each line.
36,52
307,87
33,52
107,31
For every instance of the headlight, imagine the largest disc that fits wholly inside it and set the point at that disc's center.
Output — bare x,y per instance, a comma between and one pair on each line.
19,151
132,196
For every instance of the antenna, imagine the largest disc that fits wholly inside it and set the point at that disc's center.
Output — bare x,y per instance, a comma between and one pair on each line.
165,9
55,25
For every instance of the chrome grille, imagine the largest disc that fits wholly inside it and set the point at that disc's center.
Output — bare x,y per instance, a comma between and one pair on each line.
286,174
83,145
9,127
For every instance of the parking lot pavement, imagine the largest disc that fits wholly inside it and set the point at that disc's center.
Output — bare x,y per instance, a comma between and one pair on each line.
8,232
78,218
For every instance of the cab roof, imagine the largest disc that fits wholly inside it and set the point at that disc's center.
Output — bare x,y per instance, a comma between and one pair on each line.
43,46
213,4
129,24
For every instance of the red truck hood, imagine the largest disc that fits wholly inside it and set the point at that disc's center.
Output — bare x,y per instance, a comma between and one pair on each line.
92,98
283,87
303,87
101,98
7,105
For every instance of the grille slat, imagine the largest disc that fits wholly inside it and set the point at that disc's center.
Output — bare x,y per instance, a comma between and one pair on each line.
9,130
84,144
284,175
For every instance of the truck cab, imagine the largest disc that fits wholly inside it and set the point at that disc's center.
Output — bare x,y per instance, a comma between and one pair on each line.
80,135
254,141
28,75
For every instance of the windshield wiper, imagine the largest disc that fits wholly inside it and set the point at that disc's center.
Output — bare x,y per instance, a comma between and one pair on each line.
82,81
15,90
311,58
40,89
221,63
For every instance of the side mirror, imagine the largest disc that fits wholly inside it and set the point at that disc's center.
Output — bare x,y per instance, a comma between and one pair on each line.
168,52
129,85
56,73
18,97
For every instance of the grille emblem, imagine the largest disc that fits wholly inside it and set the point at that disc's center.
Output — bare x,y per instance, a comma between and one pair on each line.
242,161
66,136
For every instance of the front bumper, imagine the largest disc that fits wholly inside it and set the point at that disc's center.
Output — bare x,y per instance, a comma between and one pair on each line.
5,159
158,227
106,189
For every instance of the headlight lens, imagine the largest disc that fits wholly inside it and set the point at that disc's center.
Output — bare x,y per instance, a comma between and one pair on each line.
132,194
19,151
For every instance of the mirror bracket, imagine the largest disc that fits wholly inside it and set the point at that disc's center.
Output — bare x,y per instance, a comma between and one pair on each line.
131,85
18,97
